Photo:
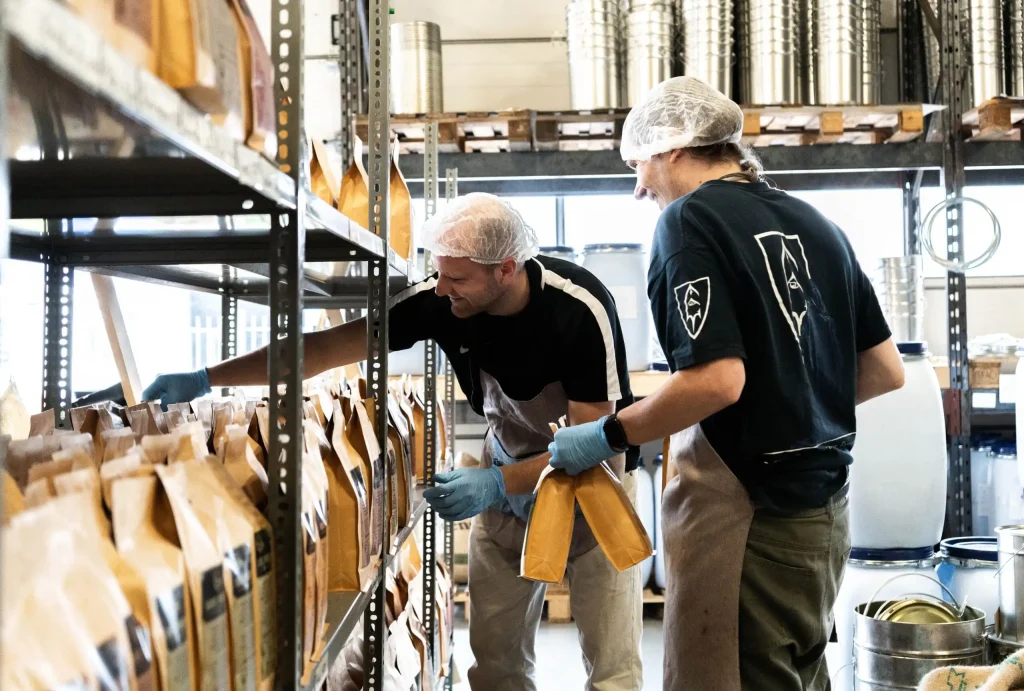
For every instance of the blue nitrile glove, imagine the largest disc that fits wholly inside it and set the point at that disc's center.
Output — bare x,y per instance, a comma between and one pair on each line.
178,388
465,492
580,447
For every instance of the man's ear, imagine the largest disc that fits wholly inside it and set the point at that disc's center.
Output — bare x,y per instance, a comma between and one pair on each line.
507,269
676,155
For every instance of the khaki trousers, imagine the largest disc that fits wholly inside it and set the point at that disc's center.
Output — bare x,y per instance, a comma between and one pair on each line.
505,611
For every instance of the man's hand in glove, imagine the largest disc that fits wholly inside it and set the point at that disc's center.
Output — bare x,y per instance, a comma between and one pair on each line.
178,388
465,492
580,447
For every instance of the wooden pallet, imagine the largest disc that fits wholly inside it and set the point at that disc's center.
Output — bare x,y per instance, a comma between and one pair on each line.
806,125
557,599
580,130
486,132
997,119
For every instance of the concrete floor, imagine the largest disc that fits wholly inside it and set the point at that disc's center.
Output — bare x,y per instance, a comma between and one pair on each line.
559,661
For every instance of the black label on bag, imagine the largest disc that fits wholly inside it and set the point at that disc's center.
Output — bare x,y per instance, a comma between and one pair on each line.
112,673
142,650
241,576
171,608
214,601
264,553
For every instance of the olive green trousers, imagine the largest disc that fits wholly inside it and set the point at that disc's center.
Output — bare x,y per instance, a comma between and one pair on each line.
792,570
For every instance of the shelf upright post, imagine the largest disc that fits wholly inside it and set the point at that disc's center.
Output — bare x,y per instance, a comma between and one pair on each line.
559,217
228,318
287,250
58,309
451,191
910,181
430,167
348,67
953,17
379,134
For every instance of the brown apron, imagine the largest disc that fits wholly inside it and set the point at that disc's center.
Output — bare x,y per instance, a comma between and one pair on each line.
518,430
706,514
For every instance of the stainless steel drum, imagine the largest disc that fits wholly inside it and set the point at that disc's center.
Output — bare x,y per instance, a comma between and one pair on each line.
1015,28
416,80
648,46
840,40
707,41
1010,623
809,52
901,295
986,49
592,34
914,638
871,11
772,37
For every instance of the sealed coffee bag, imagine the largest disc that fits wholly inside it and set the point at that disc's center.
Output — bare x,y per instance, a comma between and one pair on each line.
349,520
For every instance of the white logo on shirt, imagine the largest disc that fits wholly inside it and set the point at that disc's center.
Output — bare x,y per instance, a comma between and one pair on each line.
790,275
693,299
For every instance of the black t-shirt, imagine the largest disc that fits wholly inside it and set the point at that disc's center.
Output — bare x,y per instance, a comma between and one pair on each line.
569,332
745,270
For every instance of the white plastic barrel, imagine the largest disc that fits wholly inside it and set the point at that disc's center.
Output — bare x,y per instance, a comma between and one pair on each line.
898,476
560,252
659,542
968,568
1008,501
1019,403
983,488
866,572
645,509
623,270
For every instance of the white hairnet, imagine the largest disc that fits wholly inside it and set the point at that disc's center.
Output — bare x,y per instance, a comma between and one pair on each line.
480,227
677,113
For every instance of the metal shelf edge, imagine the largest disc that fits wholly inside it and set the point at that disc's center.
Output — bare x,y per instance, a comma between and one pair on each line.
64,41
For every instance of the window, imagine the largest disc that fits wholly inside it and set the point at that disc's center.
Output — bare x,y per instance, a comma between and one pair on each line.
609,218
538,212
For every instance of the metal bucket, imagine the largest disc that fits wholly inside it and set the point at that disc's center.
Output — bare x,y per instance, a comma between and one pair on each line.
999,648
986,50
898,654
901,296
707,41
772,47
871,11
840,74
595,54
416,80
649,37
1015,28
1010,623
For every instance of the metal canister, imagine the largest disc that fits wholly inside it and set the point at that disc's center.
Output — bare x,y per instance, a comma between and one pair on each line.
890,654
999,648
1010,623
916,610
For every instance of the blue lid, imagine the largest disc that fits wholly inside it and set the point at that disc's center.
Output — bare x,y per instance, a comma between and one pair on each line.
908,554
625,246
657,460
980,548
565,249
1004,448
660,366
913,348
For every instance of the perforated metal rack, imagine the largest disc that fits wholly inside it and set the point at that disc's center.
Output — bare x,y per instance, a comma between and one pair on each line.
98,137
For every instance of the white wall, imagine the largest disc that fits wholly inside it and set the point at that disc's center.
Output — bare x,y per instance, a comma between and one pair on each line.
994,305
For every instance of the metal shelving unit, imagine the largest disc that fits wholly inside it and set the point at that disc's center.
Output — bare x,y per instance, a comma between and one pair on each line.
97,137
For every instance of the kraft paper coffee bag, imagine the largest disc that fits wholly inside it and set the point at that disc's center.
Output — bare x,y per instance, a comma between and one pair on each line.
391,480
145,535
265,582
71,632
310,597
74,507
135,31
314,473
400,237
612,518
363,439
322,179
199,57
354,197
42,424
256,72
398,434
237,456
206,584
228,529
348,523
22,454
549,531
131,464
188,443
14,500
117,442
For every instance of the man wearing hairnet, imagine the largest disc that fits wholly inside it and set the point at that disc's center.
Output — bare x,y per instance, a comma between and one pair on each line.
774,335
531,339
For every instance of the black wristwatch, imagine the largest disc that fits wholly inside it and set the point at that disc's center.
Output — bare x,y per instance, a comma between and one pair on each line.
615,433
